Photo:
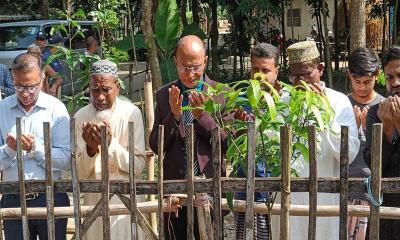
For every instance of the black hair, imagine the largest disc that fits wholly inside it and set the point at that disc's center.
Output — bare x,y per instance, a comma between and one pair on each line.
265,50
363,62
25,62
393,53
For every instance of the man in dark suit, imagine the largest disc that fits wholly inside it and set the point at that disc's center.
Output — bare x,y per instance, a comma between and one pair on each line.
190,59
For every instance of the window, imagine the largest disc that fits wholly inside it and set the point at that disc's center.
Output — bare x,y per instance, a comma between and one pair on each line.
17,38
294,17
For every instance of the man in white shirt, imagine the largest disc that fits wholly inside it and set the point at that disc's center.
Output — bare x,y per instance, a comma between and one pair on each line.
107,109
305,66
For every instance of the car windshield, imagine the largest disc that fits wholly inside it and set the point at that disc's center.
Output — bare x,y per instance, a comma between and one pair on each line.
17,37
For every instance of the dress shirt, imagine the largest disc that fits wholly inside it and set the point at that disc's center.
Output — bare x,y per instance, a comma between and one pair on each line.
46,109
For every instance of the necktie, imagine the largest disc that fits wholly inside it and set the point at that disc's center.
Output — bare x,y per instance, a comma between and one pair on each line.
188,119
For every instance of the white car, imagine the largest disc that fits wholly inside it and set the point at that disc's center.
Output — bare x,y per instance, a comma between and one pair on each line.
15,37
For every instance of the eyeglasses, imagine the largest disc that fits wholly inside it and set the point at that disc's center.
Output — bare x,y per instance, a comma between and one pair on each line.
305,76
195,68
30,89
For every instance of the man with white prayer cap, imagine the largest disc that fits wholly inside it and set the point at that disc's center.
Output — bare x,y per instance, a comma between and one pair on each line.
107,109
304,66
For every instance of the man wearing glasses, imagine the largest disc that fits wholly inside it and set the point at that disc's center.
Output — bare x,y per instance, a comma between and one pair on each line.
33,107
304,66
190,59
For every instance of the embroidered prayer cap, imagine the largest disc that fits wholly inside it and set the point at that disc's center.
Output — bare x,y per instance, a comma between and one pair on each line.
302,52
104,67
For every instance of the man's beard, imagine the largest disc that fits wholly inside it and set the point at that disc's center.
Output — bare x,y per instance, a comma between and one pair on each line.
103,115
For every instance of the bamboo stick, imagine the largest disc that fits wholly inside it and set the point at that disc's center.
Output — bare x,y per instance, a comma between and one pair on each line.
49,182
132,181
312,196
75,181
286,150
376,174
21,178
105,188
271,184
344,167
190,181
216,156
251,155
160,181
238,205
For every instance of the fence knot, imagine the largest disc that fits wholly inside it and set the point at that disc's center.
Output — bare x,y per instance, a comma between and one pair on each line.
367,182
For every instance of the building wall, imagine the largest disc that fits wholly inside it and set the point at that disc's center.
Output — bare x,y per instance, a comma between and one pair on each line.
307,21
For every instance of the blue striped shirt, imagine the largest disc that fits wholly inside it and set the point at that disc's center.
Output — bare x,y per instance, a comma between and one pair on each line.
46,109
6,82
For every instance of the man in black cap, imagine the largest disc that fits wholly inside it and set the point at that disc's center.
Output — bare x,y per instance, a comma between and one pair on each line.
47,51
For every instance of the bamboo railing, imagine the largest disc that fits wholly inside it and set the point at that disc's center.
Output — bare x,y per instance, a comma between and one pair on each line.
84,216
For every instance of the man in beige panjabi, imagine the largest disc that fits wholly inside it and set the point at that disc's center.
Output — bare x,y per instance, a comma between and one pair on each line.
107,109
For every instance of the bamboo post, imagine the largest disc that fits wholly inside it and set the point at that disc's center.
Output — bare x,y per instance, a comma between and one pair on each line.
149,106
312,218
376,175
344,166
49,182
132,181
286,150
75,181
160,181
190,182
21,177
251,158
105,188
216,156
1,224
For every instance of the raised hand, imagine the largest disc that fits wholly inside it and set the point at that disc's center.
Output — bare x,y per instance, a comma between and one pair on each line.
175,101
196,101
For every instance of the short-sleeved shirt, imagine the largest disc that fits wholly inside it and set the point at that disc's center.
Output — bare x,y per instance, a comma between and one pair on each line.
358,168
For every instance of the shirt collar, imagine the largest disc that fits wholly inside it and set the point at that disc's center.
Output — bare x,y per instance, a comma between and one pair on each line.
40,102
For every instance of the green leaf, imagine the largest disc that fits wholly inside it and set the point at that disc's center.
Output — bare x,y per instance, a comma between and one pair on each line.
232,96
309,99
303,150
271,105
125,44
168,70
229,199
194,29
254,93
167,24
317,115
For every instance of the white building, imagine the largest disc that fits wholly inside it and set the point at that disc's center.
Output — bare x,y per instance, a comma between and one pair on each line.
299,22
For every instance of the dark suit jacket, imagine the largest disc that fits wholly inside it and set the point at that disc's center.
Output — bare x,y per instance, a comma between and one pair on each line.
174,147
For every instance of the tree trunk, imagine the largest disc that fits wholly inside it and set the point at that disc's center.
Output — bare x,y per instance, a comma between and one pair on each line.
384,27
147,28
336,35
328,63
195,11
347,27
291,24
320,34
357,25
45,9
214,36
396,23
283,46
234,46
183,12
